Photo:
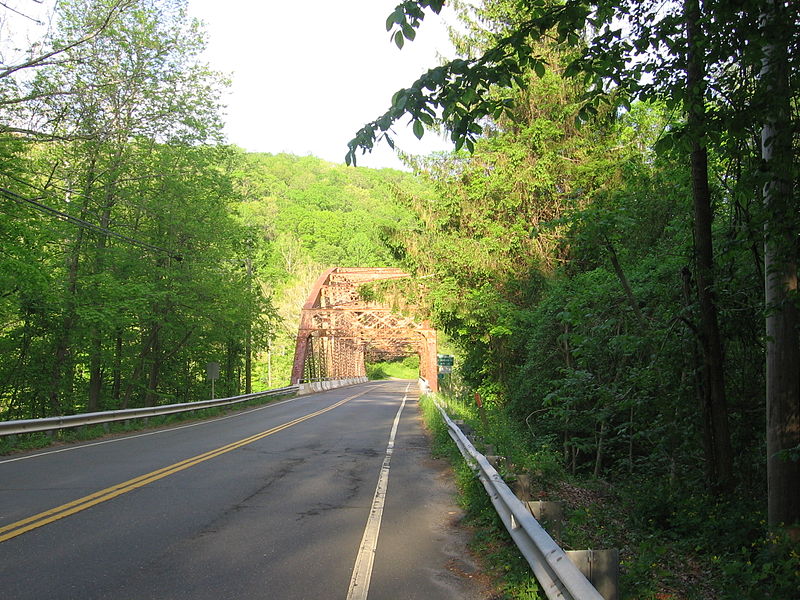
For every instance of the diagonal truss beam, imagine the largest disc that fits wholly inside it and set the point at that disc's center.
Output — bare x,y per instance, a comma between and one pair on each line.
338,329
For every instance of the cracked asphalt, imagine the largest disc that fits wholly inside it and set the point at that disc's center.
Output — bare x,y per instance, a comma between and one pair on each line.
280,517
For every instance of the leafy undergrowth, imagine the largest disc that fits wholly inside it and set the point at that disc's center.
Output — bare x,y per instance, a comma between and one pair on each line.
681,545
34,441
652,566
674,544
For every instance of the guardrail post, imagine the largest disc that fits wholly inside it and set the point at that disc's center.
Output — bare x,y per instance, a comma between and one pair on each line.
550,515
495,460
601,568
522,487
465,429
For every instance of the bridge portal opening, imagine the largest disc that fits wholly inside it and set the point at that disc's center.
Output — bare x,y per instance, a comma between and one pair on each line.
340,332
394,367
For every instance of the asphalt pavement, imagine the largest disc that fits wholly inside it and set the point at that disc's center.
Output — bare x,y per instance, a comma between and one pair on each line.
278,502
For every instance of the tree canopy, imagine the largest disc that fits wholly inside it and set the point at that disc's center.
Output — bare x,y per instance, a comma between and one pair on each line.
624,224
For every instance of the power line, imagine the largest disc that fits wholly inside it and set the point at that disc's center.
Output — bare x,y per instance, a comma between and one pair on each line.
85,224
21,14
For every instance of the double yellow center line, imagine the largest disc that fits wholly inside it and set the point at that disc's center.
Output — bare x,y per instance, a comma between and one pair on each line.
14,529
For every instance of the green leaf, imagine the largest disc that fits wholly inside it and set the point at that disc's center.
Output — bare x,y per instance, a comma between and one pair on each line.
395,17
419,129
458,66
539,69
399,100
468,97
399,39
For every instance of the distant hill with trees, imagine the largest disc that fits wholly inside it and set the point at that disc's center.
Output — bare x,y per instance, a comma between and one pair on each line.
306,215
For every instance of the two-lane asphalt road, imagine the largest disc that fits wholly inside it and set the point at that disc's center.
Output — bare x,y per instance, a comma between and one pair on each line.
328,496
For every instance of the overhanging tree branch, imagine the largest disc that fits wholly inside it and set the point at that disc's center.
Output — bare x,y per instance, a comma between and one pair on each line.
37,61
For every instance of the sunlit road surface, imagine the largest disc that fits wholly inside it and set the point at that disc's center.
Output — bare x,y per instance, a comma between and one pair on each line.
326,496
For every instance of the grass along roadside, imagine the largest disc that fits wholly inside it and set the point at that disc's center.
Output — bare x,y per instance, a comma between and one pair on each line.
491,543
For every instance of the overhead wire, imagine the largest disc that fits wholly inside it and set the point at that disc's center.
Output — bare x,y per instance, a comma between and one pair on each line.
85,224
71,192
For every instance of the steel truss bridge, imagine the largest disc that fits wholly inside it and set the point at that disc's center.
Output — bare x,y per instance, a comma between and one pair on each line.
339,331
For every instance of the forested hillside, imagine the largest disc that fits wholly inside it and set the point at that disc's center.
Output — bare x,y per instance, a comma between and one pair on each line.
307,215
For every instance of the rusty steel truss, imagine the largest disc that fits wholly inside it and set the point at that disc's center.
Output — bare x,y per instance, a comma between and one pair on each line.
339,330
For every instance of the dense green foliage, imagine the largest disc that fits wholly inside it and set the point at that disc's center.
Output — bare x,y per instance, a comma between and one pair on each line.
567,256
136,248
122,266
577,260
731,109
671,546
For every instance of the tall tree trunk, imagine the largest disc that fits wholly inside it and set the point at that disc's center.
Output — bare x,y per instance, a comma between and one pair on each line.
248,342
780,276
16,374
154,374
146,347
231,379
598,459
60,371
116,378
96,357
95,371
623,281
714,378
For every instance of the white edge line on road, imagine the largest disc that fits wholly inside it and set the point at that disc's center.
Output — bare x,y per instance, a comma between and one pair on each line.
138,435
362,570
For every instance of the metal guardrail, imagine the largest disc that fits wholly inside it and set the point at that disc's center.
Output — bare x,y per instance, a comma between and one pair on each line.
65,422
559,577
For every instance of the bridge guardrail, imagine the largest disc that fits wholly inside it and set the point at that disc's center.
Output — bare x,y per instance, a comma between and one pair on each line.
67,421
323,385
559,577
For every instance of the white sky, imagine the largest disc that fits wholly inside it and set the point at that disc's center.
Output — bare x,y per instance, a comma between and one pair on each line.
307,74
